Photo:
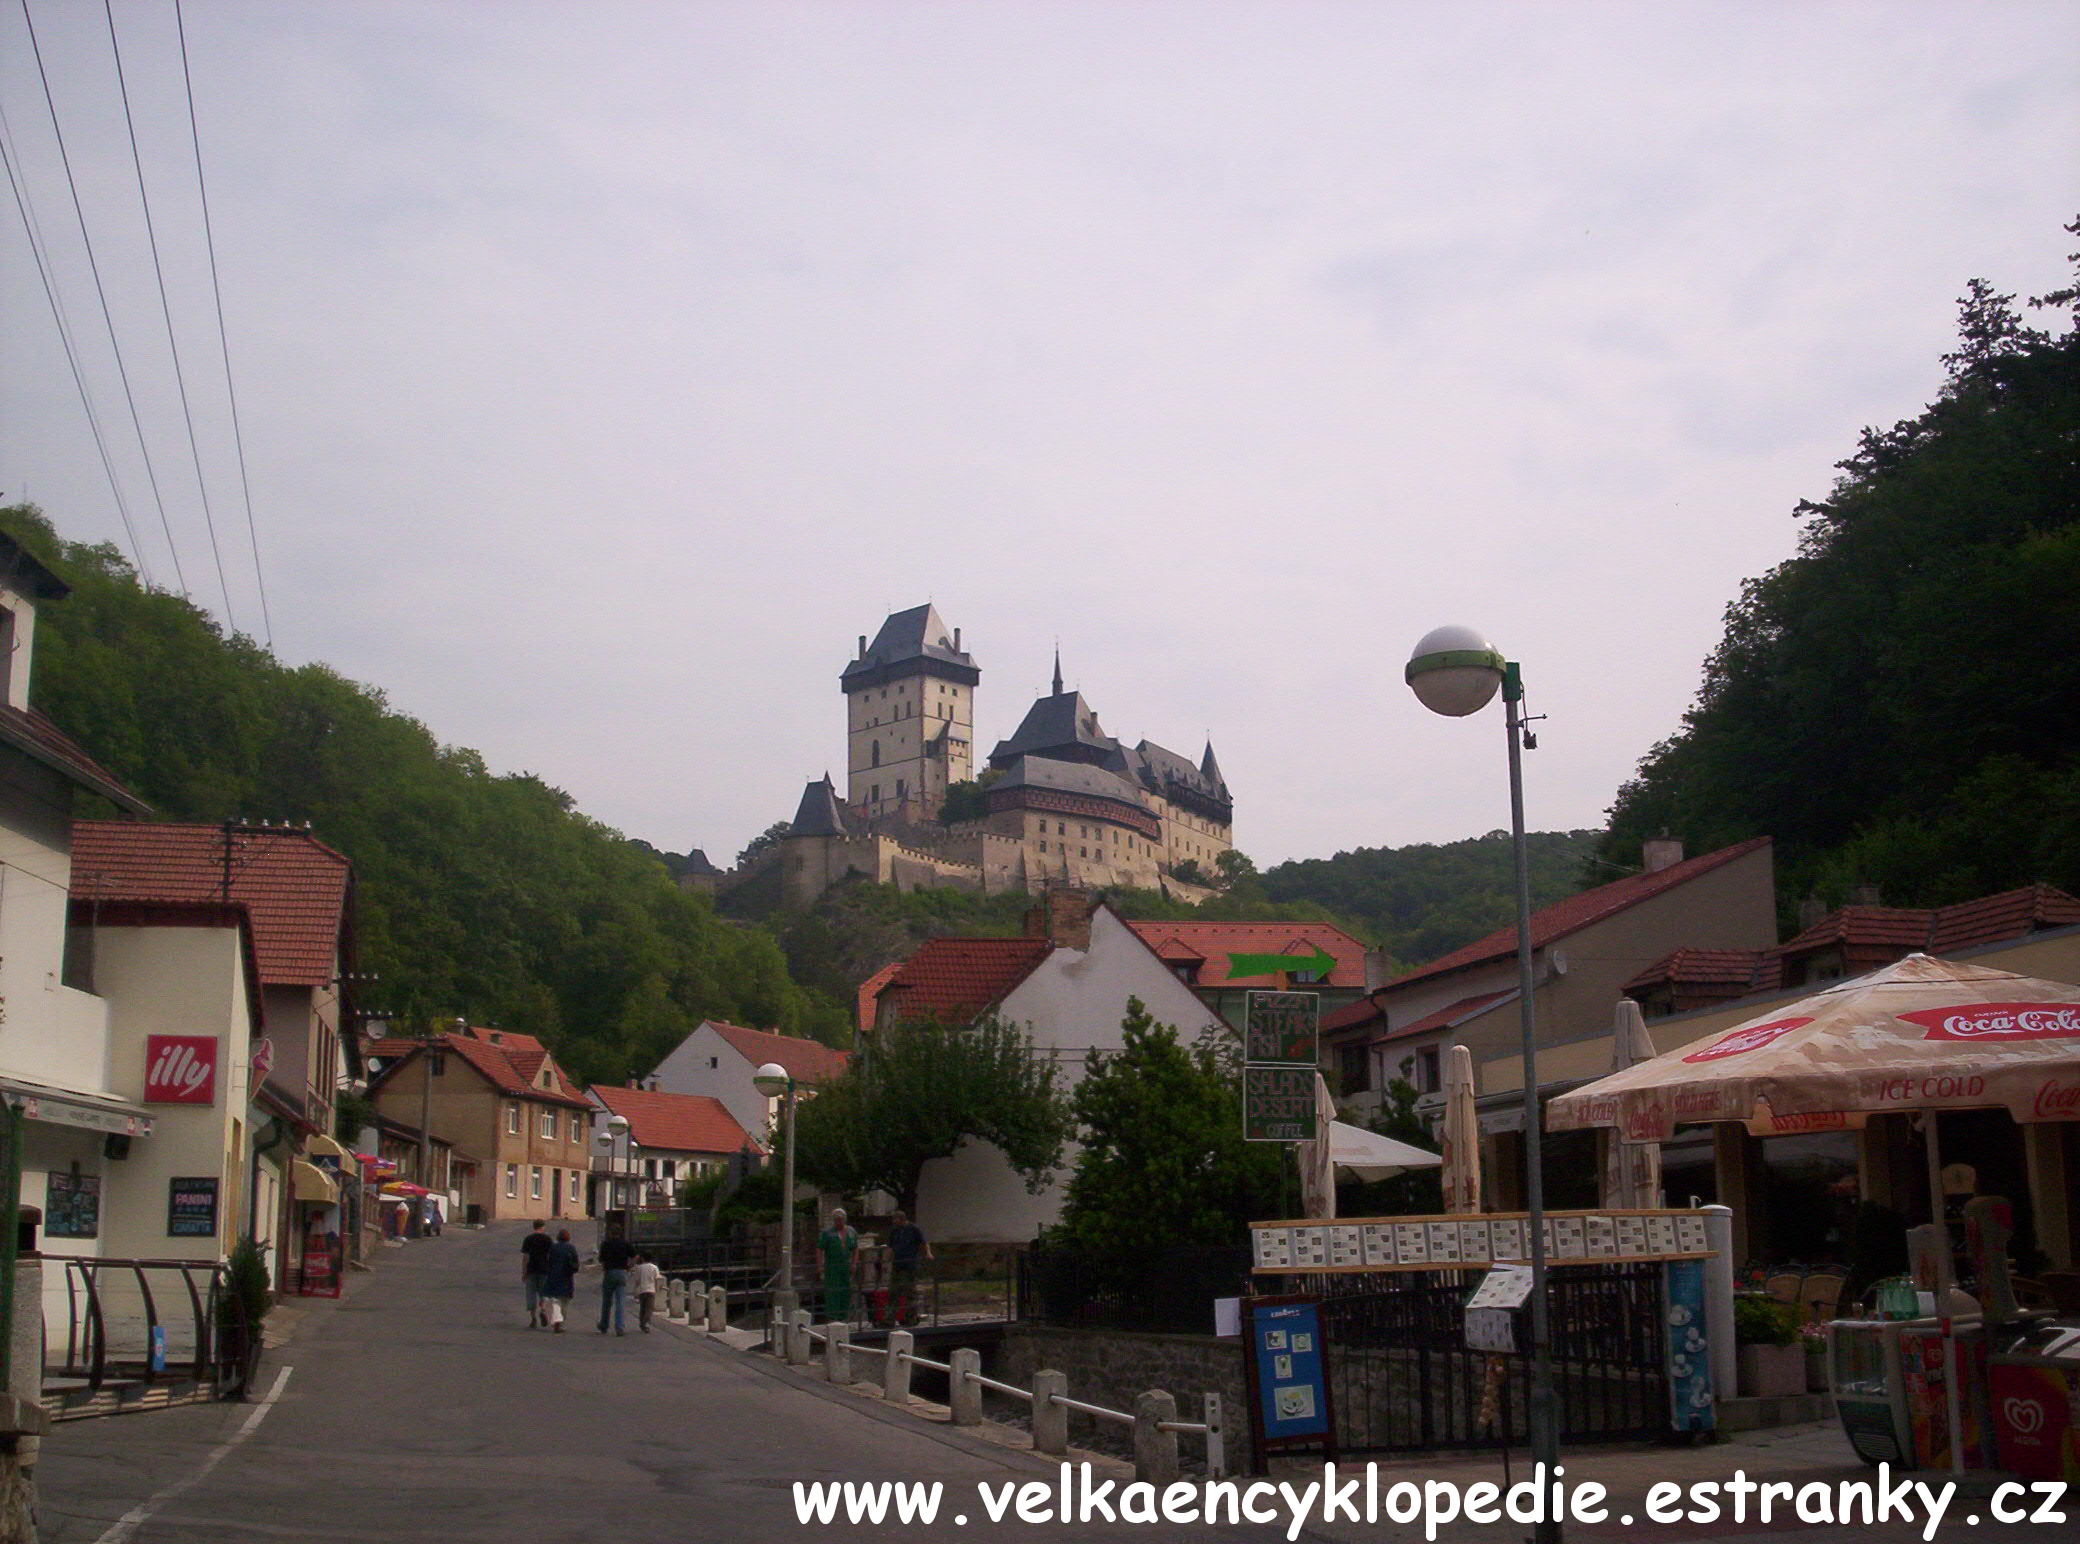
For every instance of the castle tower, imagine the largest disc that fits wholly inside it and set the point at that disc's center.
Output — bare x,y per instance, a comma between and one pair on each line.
909,716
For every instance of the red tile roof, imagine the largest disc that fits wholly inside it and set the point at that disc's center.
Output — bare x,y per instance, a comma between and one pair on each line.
1351,1016
491,1062
676,1123
33,734
955,979
1579,911
1213,942
869,989
806,1061
297,889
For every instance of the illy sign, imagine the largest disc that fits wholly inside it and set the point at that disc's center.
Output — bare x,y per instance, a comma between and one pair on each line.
180,1069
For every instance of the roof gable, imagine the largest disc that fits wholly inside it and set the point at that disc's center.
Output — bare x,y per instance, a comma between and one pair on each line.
1213,942
676,1123
954,980
807,1061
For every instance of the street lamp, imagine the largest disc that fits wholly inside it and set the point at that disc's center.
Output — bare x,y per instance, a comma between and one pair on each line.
1455,671
774,1081
617,1128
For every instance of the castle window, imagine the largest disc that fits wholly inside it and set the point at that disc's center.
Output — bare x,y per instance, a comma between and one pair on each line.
899,789
1043,846
876,749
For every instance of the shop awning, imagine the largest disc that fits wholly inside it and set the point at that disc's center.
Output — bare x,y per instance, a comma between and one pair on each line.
313,1184
319,1145
69,1107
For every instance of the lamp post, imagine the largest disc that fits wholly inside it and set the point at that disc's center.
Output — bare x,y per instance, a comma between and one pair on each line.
774,1081
617,1131
1455,671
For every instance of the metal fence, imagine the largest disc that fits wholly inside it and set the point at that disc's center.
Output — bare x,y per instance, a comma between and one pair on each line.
143,1324
1171,1291
1401,1376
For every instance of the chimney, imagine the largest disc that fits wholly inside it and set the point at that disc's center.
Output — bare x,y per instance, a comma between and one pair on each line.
1376,961
862,645
1068,918
1866,895
1660,852
1811,912
956,640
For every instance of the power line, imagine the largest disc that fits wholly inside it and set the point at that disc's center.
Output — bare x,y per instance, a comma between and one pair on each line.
166,309
101,291
223,341
50,293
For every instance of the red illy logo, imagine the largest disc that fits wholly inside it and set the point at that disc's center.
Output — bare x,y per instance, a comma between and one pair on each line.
2000,1021
1752,1038
180,1069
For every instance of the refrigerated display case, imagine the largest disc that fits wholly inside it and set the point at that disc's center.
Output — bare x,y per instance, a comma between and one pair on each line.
1870,1391
2034,1382
1922,1358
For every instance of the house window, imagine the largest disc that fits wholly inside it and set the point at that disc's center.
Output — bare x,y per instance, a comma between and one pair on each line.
577,1128
1043,846
513,1180
534,1176
574,1187
1427,1079
1354,1068
513,1119
549,1124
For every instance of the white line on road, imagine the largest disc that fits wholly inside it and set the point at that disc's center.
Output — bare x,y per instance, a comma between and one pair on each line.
131,1520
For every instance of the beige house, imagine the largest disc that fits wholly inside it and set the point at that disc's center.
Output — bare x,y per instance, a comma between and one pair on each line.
1585,949
500,1098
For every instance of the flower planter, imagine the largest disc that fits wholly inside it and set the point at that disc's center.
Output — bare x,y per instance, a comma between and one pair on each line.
1816,1371
1772,1372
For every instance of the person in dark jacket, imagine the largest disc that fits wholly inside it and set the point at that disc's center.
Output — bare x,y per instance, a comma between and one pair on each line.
534,1260
615,1256
560,1278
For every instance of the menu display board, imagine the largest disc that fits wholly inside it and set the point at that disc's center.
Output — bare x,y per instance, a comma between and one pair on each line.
1447,1243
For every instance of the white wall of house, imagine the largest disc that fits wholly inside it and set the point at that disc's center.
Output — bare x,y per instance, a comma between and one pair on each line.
705,1063
1071,1004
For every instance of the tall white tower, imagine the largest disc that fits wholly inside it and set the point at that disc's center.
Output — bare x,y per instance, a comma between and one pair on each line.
909,716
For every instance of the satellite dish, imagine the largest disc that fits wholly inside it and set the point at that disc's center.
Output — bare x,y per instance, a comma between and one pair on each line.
1557,960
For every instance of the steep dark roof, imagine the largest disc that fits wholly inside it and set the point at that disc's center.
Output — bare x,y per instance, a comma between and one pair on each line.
1211,770
819,813
697,863
1162,771
1062,726
916,636
1069,777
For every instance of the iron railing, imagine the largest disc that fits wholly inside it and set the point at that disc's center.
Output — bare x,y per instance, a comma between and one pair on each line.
147,1322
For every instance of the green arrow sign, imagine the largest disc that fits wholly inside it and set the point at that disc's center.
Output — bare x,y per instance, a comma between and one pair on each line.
1242,966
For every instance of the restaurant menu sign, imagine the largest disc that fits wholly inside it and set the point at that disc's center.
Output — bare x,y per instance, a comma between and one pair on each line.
1280,1041
1459,1242
191,1207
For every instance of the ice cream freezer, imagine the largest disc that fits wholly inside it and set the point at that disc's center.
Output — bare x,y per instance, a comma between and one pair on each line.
2034,1394
1889,1378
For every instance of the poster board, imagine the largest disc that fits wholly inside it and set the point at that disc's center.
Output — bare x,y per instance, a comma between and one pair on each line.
1475,1241
1288,1374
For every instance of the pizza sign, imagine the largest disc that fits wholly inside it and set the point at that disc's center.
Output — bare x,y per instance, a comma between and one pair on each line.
180,1069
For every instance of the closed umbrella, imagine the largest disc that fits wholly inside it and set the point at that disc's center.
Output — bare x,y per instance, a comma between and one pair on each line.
1316,1158
1631,1170
1462,1135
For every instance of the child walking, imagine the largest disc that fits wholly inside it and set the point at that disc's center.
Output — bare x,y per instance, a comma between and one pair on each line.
644,1279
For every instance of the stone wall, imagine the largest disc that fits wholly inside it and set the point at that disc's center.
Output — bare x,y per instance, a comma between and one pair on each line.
1113,1367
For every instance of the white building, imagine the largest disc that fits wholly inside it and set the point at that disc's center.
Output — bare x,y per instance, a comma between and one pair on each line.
718,1060
1067,986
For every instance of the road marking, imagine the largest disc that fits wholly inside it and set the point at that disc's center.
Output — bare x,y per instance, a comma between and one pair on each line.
133,1519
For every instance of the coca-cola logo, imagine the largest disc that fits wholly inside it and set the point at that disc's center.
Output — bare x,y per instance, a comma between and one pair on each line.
1999,1021
1643,1122
2057,1101
1752,1037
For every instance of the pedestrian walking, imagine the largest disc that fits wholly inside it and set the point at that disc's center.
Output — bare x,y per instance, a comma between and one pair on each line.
906,1245
839,1246
534,1262
559,1278
615,1253
643,1280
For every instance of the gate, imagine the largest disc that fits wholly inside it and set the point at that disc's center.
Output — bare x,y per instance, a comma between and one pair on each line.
1402,1378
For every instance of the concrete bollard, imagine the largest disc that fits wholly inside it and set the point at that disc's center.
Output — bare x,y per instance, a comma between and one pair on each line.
674,1298
799,1346
695,1302
718,1310
963,1393
837,1352
895,1371
1050,1420
1155,1450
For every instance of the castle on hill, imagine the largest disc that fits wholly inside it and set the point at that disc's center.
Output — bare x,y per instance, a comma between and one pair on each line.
1060,801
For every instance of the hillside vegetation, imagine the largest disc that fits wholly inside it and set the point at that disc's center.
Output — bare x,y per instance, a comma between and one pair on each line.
480,893
1899,704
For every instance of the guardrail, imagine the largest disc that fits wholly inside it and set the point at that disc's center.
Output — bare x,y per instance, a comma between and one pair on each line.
1153,1420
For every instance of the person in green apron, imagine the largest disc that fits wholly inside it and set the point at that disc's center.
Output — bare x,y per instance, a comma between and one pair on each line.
839,1246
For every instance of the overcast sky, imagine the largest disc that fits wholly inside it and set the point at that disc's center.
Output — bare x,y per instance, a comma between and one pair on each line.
604,370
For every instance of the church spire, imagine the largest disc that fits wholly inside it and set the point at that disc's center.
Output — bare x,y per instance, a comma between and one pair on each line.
1058,670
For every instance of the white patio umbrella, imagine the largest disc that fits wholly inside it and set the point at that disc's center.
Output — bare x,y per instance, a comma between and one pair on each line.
1369,1156
1631,1170
1316,1158
1462,1135
1920,1035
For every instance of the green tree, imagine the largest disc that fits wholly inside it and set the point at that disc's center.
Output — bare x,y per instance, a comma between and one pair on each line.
1163,1163
916,1092
770,837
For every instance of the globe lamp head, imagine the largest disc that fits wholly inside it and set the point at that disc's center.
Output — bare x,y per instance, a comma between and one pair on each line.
1455,671
771,1080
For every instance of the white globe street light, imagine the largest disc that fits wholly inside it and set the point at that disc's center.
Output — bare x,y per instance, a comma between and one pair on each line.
775,1082
1455,671
617,1128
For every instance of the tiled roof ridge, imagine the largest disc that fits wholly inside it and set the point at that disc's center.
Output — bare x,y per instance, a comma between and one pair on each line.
1570,915
656,1115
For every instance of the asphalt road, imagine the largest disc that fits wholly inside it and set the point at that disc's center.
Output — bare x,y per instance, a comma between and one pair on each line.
421,1407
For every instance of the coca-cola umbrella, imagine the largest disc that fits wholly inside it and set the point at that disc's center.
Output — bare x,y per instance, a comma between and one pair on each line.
1631,1170
1920,1035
